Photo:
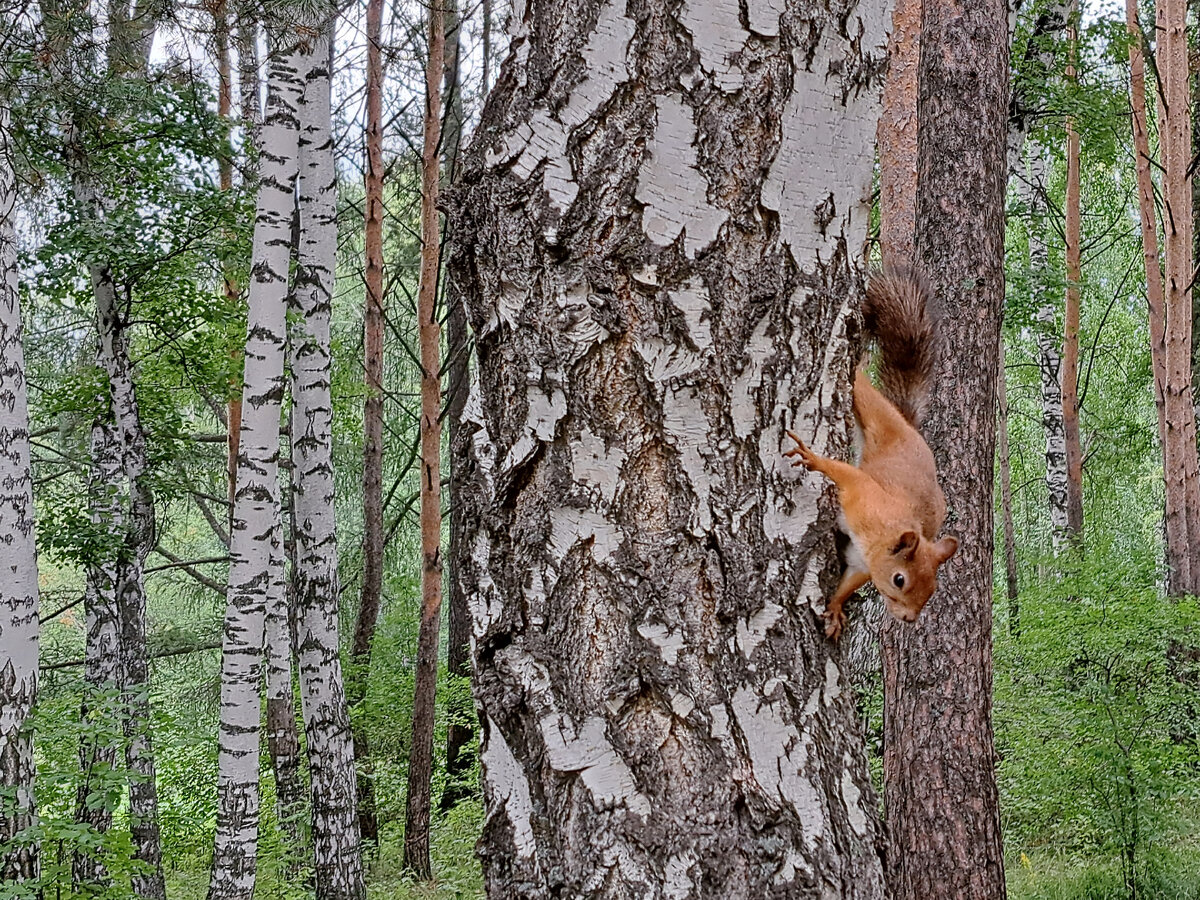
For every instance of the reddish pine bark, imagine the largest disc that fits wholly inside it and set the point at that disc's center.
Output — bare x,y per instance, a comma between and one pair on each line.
944,837
420,762
373,327
1146,210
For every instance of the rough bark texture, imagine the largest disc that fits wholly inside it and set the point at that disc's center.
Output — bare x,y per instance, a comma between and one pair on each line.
658,236
337,855
1070,360
1147,215
1180,466
18,569
373,331
897,137
1011,577
944,836
254,537
420,758
460,732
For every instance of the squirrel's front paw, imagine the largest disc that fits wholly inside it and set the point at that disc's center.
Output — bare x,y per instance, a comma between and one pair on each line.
806,457
835,621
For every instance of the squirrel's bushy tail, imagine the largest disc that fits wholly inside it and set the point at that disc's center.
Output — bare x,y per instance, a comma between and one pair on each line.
896,314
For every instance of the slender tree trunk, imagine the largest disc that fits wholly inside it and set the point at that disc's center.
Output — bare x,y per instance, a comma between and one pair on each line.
485,13
373,333
653,302
18,575
254,548
1050,361
248,90
337,853
1147,215
1011,577
460,732
420,760
220,14
1180,466
897,137
123,507
283,738
944,837
95,800
1070,359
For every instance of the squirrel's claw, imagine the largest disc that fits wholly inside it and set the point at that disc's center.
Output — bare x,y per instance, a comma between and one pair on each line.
835,621
807,457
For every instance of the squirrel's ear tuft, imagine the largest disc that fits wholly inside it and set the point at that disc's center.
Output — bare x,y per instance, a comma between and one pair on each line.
945,548
907,545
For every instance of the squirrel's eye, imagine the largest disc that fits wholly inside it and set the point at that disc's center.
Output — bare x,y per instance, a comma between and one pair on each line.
898,579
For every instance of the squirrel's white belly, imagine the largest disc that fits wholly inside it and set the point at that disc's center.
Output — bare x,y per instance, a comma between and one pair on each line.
855,560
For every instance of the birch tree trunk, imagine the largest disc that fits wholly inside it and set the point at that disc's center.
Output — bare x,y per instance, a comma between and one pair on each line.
1011,575
255,554
658,237
248,91
459,730
1050,363
123,510
18,573
373,334
283,738
1180,466
1147,215
944,838
1070,361
420,757
337,855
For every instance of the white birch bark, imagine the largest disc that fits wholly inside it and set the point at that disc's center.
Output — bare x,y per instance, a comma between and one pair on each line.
1049,350
254,540
122,512
18,559
337,857
658,236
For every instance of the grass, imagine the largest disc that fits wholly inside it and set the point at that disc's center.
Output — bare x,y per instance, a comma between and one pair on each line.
457,874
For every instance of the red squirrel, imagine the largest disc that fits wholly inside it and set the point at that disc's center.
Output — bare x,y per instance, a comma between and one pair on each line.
891,505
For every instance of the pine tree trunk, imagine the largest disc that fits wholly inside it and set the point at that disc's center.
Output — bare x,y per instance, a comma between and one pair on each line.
420,759
1070,359
660,282
460,732
897,137
1180,466
1011,576
337,854
1147,215
944,837
18,574
373,333
254,538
